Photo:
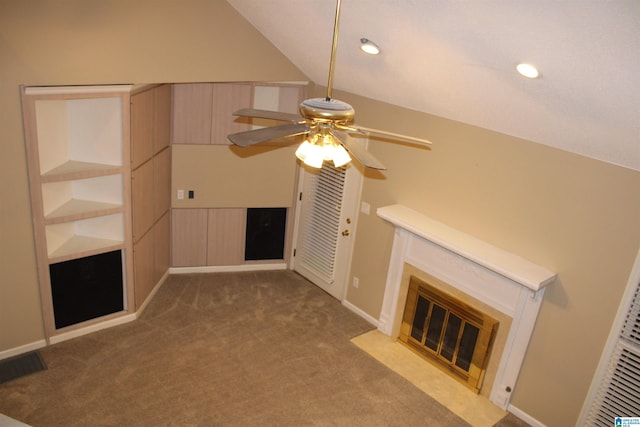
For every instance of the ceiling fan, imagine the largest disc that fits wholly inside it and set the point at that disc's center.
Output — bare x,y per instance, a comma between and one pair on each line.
326,122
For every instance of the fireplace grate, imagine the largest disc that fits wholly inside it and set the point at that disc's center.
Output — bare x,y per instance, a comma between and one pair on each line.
445,330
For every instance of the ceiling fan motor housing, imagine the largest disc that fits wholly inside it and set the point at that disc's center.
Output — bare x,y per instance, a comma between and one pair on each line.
327,110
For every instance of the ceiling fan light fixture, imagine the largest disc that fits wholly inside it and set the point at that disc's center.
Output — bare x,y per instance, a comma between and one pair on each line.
320,147
310,152
369,47
527,70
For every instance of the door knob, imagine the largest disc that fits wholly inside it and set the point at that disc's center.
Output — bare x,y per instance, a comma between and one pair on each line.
345,233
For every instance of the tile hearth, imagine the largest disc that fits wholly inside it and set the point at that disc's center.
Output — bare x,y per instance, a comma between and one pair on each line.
475,409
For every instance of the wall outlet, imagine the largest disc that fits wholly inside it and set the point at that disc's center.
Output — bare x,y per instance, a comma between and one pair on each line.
180,194
356,282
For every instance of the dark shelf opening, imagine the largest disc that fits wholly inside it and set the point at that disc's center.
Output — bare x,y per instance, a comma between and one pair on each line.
86,288
265,233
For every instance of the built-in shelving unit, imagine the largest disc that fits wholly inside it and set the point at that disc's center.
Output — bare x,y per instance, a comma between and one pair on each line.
77,141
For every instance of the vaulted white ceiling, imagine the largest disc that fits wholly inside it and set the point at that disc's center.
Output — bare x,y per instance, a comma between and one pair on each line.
456,59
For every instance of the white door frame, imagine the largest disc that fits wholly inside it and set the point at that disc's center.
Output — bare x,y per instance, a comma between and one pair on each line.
350,202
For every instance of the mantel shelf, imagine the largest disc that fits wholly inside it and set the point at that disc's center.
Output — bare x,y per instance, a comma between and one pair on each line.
498,260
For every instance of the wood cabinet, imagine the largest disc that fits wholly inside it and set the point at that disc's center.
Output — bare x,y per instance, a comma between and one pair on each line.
226,236
208,237
210,230
203,113
77,143
151,186
189,237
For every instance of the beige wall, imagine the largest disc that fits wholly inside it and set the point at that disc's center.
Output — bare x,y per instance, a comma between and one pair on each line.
570,214
258,176
576,216
101,42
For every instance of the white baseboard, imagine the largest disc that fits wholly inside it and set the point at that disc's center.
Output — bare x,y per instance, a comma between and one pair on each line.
93,328
152,294
228,268
525,417
10,422
22,349
361,313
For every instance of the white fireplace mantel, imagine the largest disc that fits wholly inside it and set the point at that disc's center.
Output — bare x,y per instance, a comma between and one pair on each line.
505,263
503,280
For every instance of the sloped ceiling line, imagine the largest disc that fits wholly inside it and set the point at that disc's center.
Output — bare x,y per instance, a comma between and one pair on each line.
456,59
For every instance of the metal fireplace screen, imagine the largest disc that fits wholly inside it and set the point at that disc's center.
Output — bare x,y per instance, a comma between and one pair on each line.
452,334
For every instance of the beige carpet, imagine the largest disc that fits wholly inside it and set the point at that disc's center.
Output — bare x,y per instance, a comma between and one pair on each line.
255,348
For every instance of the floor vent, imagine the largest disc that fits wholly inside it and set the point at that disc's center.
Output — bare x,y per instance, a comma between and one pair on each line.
19,366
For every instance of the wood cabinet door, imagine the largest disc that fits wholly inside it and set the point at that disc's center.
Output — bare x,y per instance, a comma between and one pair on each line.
227,98
142,199
142,127
161,247
143,271
226,233
161,183
188,237
162,117
192,113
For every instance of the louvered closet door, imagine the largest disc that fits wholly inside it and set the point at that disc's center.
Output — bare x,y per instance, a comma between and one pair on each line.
618,394
325,227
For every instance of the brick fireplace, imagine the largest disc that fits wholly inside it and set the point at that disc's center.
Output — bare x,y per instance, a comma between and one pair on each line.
499,284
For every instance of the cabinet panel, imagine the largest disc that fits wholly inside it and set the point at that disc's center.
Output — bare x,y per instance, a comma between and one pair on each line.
144,259
227,98
192,113
162,183
226,236
161,246
142,124
162,114
188,237
142,199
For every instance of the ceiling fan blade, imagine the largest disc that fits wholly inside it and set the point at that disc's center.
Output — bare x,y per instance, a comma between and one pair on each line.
360,153
251,137
391,135
267,114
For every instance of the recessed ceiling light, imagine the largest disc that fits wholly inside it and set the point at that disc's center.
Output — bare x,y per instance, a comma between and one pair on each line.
369,47
528,70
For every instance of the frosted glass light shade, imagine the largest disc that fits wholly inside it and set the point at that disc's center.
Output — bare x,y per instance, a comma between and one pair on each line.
311,154
315,150
340,156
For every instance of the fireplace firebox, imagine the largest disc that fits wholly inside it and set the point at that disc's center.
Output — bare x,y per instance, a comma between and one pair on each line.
456,337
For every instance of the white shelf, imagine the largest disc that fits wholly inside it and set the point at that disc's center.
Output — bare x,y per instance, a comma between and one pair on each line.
84,235
73,169
75,209
81,198
77,90
81,246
